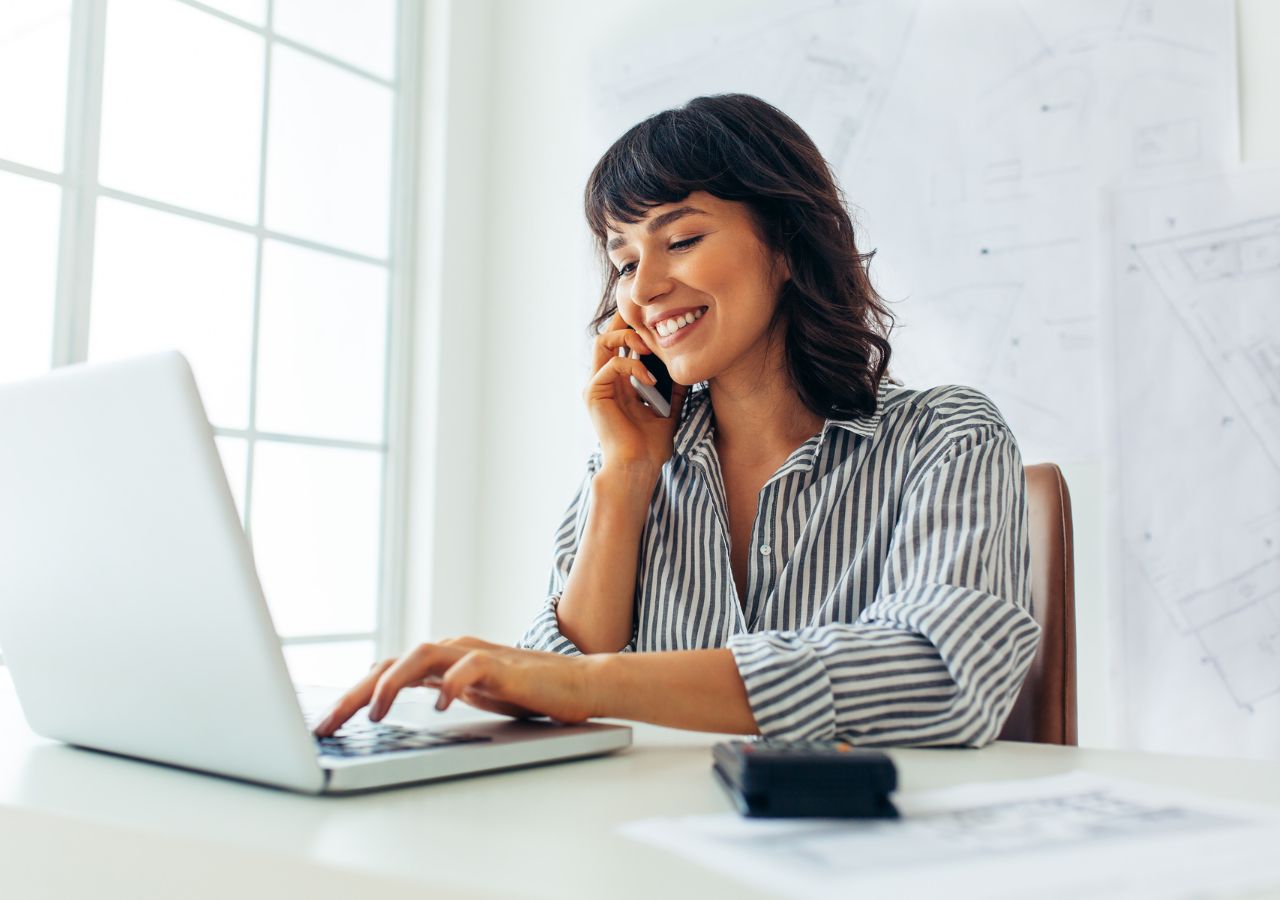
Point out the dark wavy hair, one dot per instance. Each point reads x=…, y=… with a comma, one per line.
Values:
x=738, y=147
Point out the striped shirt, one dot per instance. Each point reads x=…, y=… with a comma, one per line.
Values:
x=888, y=592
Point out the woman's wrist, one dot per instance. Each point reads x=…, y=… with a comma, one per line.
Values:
x=696, y=689
x=632, y=479
x=599, y=686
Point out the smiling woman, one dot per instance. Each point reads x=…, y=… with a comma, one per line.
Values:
x=747, y=154
x=802, y=550
x=713, y=252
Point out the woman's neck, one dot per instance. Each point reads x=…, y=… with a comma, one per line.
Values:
x=760, y=418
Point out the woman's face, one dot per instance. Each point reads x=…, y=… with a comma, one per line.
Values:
x=698, y=284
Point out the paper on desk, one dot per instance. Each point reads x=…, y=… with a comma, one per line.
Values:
x=1070, y=836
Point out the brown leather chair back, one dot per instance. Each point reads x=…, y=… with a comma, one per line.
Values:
x=1045, y=711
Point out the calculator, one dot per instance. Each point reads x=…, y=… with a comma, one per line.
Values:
x=795, y=779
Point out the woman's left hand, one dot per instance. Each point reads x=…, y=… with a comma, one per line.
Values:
x=488, y=676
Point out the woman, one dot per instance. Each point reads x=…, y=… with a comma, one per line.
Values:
x=805, y=551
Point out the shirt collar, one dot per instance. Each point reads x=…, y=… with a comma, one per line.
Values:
x=697, y=423
x=864, y=424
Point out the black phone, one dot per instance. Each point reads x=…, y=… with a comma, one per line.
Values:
x=656, y=396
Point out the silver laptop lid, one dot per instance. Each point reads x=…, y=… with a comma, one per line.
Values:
x=130, y=612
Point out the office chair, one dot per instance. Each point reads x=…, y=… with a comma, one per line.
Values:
x=1045, y=711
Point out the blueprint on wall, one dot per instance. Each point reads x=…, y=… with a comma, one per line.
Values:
x=828, y=64
x=999, y=251
x=972, y=140
x=1196, y=409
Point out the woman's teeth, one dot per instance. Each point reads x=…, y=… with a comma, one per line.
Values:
x=674, y=324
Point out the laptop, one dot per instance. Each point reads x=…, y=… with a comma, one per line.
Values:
x=132, y=619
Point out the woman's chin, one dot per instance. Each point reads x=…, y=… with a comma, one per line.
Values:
x=686, y=375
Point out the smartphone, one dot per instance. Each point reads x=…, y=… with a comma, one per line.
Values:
x=656, y=396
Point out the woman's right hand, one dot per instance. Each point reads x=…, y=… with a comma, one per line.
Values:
x=632, y=435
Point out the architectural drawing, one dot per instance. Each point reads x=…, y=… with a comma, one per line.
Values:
x=1222, y=286
x=828, y=63
x=1059, y=820
x=1211, y=279
x=1062, y=101
x=1073, y=835
x=1197, y=424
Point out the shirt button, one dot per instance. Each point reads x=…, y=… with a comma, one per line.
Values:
x=765, y=550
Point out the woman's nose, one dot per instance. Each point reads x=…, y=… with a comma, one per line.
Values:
x=651, y=282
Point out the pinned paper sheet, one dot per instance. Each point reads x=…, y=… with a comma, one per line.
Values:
x=1066, y=836
x=1195, y=375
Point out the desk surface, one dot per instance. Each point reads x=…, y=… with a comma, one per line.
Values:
x=72, y=819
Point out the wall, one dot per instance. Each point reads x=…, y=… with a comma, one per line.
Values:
x=522, y=282
x=447, y=423
x=1259, y=31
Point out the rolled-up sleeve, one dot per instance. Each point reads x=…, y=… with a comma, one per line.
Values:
x=938, y=657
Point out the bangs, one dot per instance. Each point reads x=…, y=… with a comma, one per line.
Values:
x=662, y=160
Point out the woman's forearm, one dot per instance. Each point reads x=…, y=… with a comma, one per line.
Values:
x=699, y=690
x=596, y=607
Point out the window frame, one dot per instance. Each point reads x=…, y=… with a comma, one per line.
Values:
x=74, y=273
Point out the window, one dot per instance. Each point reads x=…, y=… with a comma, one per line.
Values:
x=231, y=178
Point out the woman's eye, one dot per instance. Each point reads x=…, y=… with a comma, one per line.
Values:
x=629, y=268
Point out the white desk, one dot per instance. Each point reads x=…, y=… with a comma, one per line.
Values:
x=75, y=823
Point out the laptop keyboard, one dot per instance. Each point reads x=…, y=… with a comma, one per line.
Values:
x=368, y=738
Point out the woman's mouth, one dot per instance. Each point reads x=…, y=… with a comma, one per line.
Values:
x=676, y=328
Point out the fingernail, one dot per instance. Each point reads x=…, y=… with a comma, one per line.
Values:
x=650, y=377
x=441, y=702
